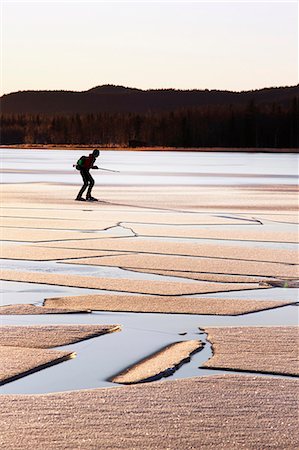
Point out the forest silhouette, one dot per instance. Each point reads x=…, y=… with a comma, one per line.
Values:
x=267, y=118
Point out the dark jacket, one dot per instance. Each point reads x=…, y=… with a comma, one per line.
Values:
x=89, y=162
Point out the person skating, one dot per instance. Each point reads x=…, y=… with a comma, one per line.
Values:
x=84, y=164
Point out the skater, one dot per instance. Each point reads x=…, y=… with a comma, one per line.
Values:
x=84, y=164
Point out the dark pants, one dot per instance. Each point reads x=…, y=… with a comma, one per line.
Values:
x=87, y=181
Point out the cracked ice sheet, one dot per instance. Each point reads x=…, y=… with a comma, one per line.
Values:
x=185, y=263
x=36, y=253
x=18, y=362
x=184, y=249
x=172, y=218
x=158, y=364
x=255, y=349
x=205, y=198
x=57, y=212
x=191, y=198
x=218, y=278
x=236, y=406
x=28, y=309
x=39, y=212
x=215, y=233
x=39, y=336
x=279, y=218
x=179, y=305
x=44, y=235
x=59, y=224
x=124, y=216
x=110, y=284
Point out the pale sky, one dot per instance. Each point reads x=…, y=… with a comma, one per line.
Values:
x=76, y=45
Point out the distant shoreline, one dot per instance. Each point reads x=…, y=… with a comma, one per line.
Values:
x=148, y=149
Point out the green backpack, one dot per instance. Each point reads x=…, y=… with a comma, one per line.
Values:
x=80, y=163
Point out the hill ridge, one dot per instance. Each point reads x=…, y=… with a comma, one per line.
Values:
x=116, y=98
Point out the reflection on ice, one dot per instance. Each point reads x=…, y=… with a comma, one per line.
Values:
x=147, y=168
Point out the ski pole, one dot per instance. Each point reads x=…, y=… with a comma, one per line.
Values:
x=100, y=168
x=109, y=170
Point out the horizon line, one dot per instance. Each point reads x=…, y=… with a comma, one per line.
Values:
x=151, y=89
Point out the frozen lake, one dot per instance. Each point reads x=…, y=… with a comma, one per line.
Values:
x=151, y=168
x=142, y=334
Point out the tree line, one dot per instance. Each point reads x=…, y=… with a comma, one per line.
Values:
x=252, y=125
